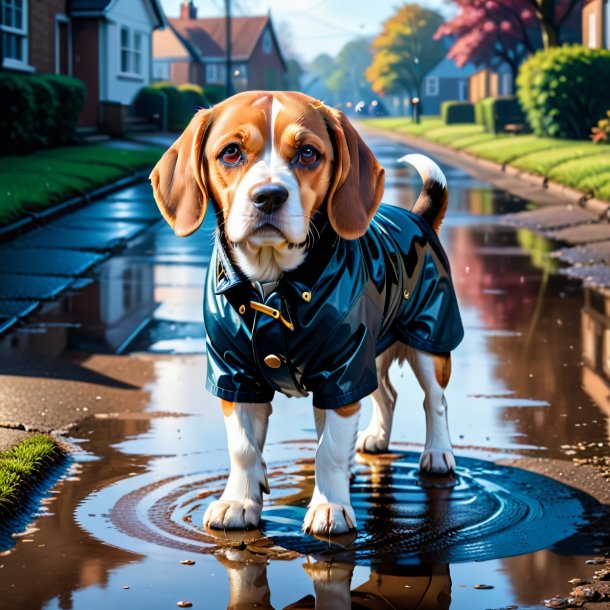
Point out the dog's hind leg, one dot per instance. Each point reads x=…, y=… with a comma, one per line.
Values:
x=241, y=503
x=433, y=372
x=376, y=437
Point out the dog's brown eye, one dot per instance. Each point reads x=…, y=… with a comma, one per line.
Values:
x=308, y=156
x=231, y=155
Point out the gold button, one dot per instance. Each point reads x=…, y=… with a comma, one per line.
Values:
x=242, y=309
x=306, y=296
x=273, y=361
x=406, y=294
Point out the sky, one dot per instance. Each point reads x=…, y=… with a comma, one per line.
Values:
x=313, y=26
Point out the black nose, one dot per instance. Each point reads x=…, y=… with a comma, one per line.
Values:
x=269, y=197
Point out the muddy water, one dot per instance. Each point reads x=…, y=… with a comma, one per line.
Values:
x=530, y=378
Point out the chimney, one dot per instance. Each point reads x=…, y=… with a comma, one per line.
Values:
x=188, y=10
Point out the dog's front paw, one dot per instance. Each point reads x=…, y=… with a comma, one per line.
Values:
x=329, y=519
x=369, y=442
x=437, y=461
x=232, y=515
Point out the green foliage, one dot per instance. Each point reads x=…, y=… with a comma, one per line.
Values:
x=193, y=98
x=71, y=94
x=214, y=93
x=22, y=466
x=565, y=90
x=47, y=109
x=406, y=50
x=175, y=105
x=47, y=177
x=17, y=107
x=494, y=113
x=457, y=112
x=600, y=134
x=151, y=103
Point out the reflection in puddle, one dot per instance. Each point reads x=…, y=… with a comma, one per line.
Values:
x=532, y=377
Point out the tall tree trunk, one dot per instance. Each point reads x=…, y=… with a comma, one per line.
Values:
x=548, y=25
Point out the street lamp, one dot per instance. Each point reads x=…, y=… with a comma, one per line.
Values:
x=415, y=100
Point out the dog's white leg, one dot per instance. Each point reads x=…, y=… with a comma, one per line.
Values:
x=330, y=511
x=241, y=503
x=433, y=372
x=331, y=583
x=376, y=437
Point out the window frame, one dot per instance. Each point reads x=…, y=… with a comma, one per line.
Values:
x=21, y=33
x=435, y=90
x=133, y=55
x=215, y=79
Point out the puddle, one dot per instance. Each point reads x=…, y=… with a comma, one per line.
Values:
x=530, y=379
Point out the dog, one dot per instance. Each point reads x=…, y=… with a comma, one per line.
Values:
x=314, y=286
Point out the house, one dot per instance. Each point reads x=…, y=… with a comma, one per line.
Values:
x=491, y=83
x=193, y=50
x=445, y=82
x=596, y=24
x=105, y=43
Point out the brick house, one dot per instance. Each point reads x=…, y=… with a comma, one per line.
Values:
x=105, y=43
x=596, y=24
x=193, y=50
x=491, y=83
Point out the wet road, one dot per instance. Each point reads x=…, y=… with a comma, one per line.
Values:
x=530, y=379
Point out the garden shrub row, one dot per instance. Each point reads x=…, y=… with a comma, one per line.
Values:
x=565, y=90
x=175, y=106
x=495, y=113
x=38, y=111
x=454, y=113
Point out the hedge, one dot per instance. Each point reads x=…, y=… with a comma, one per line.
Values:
x=151, y=103
x=565, y=90
x=453, y=113
x=193, y=98
x=175, y=106
x=37, y=111
x=495, y=113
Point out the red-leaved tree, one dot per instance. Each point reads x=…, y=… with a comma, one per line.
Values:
x=491, y=32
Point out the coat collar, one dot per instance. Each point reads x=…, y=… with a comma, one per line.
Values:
x=230, y=278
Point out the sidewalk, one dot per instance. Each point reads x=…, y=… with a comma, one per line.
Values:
x=579, y=225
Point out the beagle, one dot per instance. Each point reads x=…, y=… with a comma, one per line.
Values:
x=313, y=287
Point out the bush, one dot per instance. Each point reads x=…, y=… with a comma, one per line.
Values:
x=193, y=98
x=71, y=94
x=453, y=113
x=601, y=133
x=17, y=109
x=214, y=93
x=494, y=113
x=46, y=109
x=175, y=107
x=151, y=104
x=565, y=90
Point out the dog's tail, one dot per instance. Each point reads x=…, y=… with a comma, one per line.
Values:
x=433, y=199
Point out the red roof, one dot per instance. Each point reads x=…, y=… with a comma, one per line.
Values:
x=208, y=35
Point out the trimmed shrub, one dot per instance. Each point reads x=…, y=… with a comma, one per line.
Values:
x=214, y=93
x=151, y=103
x=193, y=98
x=71, y=94
x=17, y=107
x=495, y=113
x=46, y=109
x=454, y=113
x=565, y=90
x=175, y=108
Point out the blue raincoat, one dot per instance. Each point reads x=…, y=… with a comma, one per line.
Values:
x=321, y=327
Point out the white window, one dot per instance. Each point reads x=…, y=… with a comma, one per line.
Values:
x=463, y=90
x=267, y=42
x=506, y=83
x=161, y=70
x=211, y=73
x=131, y=51
x=14, y=20
x=592, y=40
x=432, y=86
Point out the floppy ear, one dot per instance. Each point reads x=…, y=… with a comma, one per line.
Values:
x=178, y=183
x=357, y=184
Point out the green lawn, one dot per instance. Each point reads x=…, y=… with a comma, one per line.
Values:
x=30, y=183
x=22, y=467
x=579, y=164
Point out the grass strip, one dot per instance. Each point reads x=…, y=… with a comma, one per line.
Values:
x=31, y=183
x=579, y=164
x=22, y=467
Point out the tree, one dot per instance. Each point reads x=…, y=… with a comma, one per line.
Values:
x=406, y=51
x=491, y=32
x=347, y=80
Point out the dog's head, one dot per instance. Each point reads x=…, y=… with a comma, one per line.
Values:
x=270, y=161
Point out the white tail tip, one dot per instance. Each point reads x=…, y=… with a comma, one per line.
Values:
x=427, y=169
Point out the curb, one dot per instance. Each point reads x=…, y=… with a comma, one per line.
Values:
x=568, y=195
x=34, y=220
